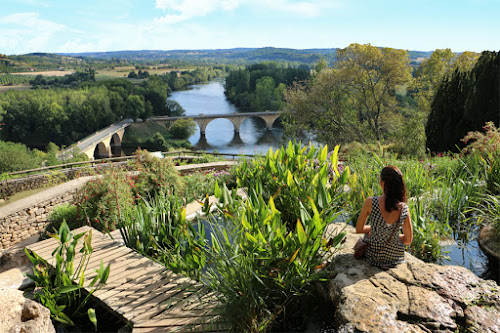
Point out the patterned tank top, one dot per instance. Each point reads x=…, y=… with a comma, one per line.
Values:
x=394, y=251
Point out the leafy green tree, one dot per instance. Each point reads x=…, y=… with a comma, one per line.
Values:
x=135, y=107
x=16, y=157
x=263, y=93
x=174, y=109
x=371, y=75
x=183, y=128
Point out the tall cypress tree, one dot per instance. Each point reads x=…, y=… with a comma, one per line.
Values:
x=464, y=102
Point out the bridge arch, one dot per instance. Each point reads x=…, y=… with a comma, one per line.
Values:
x=102, y=150
x=115, y=144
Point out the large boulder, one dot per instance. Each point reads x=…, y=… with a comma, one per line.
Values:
x=21, y=315
x=412, y=297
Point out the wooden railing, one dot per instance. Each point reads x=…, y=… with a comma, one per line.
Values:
x=93, y=163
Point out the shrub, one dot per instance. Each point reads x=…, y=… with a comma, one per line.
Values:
x=98, y=202
x=183, y=128
x=64, y=212
x=155, y=175
x=17, y=157
x=198, y=185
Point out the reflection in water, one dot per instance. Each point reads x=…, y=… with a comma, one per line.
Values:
x=220, y=134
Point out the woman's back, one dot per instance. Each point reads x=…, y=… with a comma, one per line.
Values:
x=382, y=251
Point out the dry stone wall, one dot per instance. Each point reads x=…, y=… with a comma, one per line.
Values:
x=30, y=221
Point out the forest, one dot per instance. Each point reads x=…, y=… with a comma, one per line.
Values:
x=262, y=86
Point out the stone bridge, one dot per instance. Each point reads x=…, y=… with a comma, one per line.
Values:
x=236, y=118
x=101, y=143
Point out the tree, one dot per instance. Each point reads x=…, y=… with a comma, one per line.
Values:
x=263, y=93
x=354, y=100
x=441, y=64
x=370, y=76
x=174, y=109
x=183, y=128
x=135, y=107
x=464, y=102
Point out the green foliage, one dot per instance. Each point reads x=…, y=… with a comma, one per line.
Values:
x=198, y=185
x=261, y=87
x=487, y=147
x=155, y=175
x=64, y=116
x=356, y=100
x=488, y=211
x=426, y=231
x=259, y=268
x=292, y=175
x=63, y=213
x=17, y=157
x=464, y=102
x=58, y=292
x=183, y=128
x=99, y=201
x=157, y=227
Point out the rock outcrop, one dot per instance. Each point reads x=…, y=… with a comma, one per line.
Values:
x=412, y=297
x=19, y=314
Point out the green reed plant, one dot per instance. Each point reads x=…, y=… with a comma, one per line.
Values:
x=293, y=174
x=488, y=211
x=257, y=265
x=61, y=289
x=427, y=232
x=157, y=227
x=363, y=183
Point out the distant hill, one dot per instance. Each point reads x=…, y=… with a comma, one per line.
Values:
x=80, y=61
x=236, y=55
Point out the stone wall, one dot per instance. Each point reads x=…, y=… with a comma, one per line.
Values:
x=13, y=186
x=30, y=221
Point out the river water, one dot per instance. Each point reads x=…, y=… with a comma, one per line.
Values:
x=208, y=99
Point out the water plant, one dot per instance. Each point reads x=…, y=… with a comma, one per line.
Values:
x=260, y=268
x=61, y=289
x=157, y=227
x=293, y=174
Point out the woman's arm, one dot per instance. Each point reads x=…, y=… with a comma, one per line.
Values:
x=407, y=236
x=361, y=227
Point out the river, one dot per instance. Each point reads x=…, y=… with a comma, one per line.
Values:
x=208, y=99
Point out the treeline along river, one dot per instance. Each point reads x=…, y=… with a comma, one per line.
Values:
x=208, y=99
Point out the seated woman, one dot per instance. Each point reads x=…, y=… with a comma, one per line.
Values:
x=388, y=213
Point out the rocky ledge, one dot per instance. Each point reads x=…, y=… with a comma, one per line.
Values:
x=21, y=315
x=490, y=243
x=412, y=297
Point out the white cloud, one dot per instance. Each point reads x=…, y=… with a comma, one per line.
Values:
x=28, y=32
x=182, y=10
x=187, y=9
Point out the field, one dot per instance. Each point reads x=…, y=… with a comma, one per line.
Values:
x=46, y=73
x=125, y=70
x=16, y=87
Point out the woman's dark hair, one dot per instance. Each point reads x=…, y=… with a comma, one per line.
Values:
x=394, y=187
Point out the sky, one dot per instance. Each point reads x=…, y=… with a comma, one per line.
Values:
x=66, y=26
